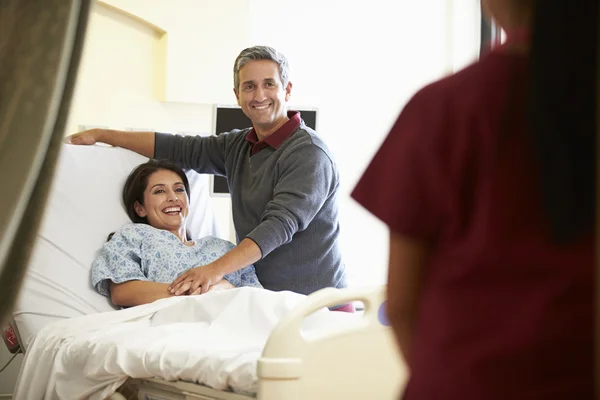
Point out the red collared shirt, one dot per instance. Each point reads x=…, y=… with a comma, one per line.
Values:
x=278, y=137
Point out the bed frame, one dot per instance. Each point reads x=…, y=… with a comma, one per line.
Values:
x=359, y=363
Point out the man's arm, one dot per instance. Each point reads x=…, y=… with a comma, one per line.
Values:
x=307, y=179
x=203, y=154
x=135, y=293
x=242, y=255
x=139, y=142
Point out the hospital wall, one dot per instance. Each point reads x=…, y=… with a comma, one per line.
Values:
x=164, y=64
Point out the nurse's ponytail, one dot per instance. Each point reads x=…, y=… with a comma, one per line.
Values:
x=563, y=112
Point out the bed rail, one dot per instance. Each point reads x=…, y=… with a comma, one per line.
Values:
x=296, y=367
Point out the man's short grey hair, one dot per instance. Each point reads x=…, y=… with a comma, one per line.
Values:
x=261, y=53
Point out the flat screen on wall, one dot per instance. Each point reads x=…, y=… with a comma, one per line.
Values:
x=228, y=118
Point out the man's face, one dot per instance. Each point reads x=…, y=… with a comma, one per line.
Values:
x=261, y=94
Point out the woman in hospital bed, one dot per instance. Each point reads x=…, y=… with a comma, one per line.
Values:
x=141, y=259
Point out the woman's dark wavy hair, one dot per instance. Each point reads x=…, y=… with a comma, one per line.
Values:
x=136, y=184
x=562, y=111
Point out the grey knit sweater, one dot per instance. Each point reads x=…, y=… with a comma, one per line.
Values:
x=284, y=199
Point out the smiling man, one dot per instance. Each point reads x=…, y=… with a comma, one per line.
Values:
x=282, y=178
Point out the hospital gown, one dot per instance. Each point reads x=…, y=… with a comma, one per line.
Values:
x=141, y=252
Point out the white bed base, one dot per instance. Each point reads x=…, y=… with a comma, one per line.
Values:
x=360, y=363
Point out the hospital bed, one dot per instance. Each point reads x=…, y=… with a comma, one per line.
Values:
x=357, y=362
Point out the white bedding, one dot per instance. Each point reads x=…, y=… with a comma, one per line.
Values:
x=214, y=339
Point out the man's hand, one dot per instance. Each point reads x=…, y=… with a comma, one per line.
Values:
x=87, y=138
x=203, y=278
x=140, y=142
x=196, y=278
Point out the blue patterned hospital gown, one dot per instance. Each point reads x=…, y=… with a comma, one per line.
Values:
x=141, y=252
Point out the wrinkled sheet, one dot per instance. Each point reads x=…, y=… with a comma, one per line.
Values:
x=214, y=339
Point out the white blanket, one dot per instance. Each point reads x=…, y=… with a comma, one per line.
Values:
x=214, y=339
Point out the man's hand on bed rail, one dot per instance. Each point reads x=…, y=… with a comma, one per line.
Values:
x=86, y=138
x=140, y=142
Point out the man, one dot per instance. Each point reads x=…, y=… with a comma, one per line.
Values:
x=282, y=179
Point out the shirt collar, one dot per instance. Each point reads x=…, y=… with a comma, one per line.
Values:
x=276, y=139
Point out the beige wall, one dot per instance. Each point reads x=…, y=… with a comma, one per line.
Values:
x=358, y=62
x=120, y=79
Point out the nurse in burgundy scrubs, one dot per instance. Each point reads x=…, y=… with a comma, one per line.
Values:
x=487, y=183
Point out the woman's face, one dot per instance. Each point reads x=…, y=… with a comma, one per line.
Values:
x=165, y=201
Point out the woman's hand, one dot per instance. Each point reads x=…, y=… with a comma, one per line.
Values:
x=223, y=284
x=196, y=278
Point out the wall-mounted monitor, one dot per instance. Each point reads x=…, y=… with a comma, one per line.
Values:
x=228, y=118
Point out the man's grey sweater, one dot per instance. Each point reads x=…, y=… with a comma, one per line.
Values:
x=284, y=199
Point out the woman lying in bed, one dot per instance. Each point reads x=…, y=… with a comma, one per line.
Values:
x=141, y=259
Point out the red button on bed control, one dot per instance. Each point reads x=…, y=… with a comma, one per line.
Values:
x=10, y=338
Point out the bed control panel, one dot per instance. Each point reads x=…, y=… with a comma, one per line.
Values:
x=10, y=339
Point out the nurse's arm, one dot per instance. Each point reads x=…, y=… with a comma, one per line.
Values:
x=405, y=279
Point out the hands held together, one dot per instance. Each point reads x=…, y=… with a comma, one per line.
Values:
x=199, y=280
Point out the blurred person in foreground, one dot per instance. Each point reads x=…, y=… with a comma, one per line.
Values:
x=487, y=184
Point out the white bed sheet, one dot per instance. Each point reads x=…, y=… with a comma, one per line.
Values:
x=214, y=339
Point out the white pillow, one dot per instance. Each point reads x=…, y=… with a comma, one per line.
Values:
x=83, y=207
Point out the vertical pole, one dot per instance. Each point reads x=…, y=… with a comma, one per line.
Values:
x=597, y=244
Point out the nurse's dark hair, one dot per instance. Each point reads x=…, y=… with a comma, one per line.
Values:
x=137, y=182
x=562, y=112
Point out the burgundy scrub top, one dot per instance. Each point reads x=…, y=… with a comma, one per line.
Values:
x=505, y=313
